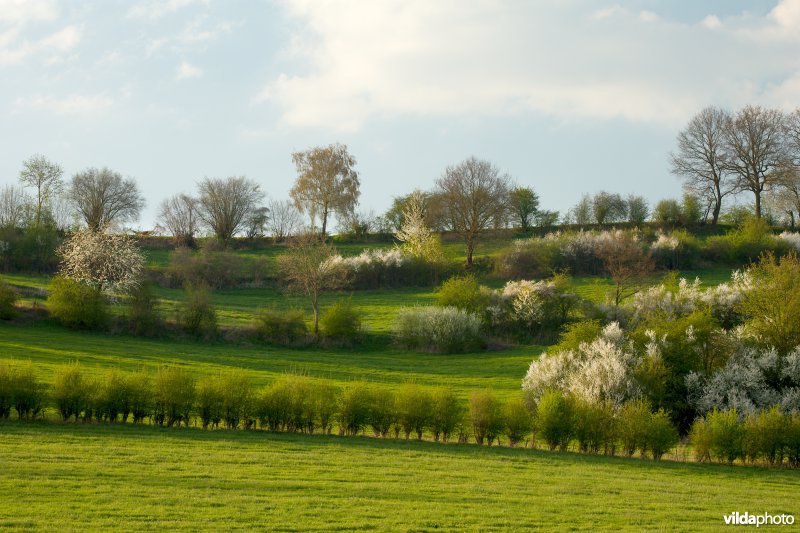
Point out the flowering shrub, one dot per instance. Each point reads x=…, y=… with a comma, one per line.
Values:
x=527, y=308
x=438, y=329
x=601, y=370
x=393, y=267
x=792, y=238
x=110, y=262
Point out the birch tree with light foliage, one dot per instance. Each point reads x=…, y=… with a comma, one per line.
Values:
x=111, y=263
x=417, y=238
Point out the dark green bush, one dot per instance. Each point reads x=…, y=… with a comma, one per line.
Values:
x=77, y=305
x=354, y=409
x=662, y=435
x=27, y=391
x=173, y=396
x=595, y=427
x=555, y=419
x=341, y=323
x=140, y=392
x=281, y=327
x=111, y=401
x=486, y=416
x=8, y=301
x=6, y=392
x=197, y=315
x=144, y=317
x=633, y=420
x=208, y=401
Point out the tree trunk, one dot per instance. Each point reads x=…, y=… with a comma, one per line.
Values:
x=758, y=203
x=470, y=250
x=315, y=309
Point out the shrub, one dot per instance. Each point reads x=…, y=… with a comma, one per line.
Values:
x=173, y=396
x=111, y=399
x=792, y=435
x=197, y=315
x=443, y=330
x=595, y=426
x=28, y=392
x=72, y=392
x=354, y=409
x=281, y=327
x=8, y=301
x=76, y=305
x=555, y=419
x=700, y=439
x=144, y=317
x=413, y=406
x=447, y=413
x=209, y=266
x=518, y=421
x=462, y=292
x=765, y=435
x=275, y=406
x=302, y=406
x=326, y=397
x=140, y=392
x=634, y=417
x=661, y=434
x=382, y=413
x=486, y=416
x=6, y=392
x=209, y=402
x=726, y=435
x=237, y=399
x=341, y=323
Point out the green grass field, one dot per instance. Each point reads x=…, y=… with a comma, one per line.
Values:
x=115, y=477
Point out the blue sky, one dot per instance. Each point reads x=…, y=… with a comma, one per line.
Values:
x=569, y=96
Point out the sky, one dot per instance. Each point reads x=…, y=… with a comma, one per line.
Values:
x=567, y=96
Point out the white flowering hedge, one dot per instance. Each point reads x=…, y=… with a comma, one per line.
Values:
x=528, y=308
x=393, y=267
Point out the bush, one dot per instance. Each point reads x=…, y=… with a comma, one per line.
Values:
x=486, y=416
x=726, y=435
x=462, y=292
x=341, y=323
x=354, y=409
x=197, y=315
x=22, y=390
x=413, y=406
x=634, y=417
x=555, y=419
x=326, y=398
x=595, y=426
x=237, y=403
x=209, y=266
x=518, y=421
x=144, y=317
x=173, y=396
x=281, y=327
x=765, y=435
x=274, y=406
x=792, y=435
x=700, y=439
x=76, y=305
x=72, y=392
x=209, y=402
x=661, y=434
x=8, y=301
x=443, y=330
x=6, y=392
x=447, y=413
x=140, y=392
x=111, y=399
x=382, y=413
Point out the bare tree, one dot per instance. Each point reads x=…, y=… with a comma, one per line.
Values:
x=225, y=204
x=581, y=213
x=256, y=223
x=473, y=193
x=756, y=148
x=179, y=215
x=284, y=219
x=102, y=197
x=44, y=176
x=308, y=268
x=701, y=158
x=14, y=207
x=326, y=183
x=627, y=262
x=786, y=196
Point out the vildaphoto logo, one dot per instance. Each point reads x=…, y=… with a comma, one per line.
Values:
x=765, y=519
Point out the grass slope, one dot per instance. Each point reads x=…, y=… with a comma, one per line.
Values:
x=115, y=477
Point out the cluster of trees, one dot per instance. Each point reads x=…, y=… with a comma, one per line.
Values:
x=754, y=150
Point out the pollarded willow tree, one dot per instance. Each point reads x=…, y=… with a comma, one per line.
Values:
x=326, y=183
x=473, y=194
x=225, y=205
x=45, y=177
x=103, y=197
x=109, y=262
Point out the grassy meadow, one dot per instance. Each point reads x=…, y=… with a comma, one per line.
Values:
x=121, y=477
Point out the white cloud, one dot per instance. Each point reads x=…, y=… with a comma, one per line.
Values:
x=23, y=11
x=187, y=71
x=712, y=22
x=14, y=49
x=195, y=33
x=351, y=62
x=156, y=9
x=68, y=105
